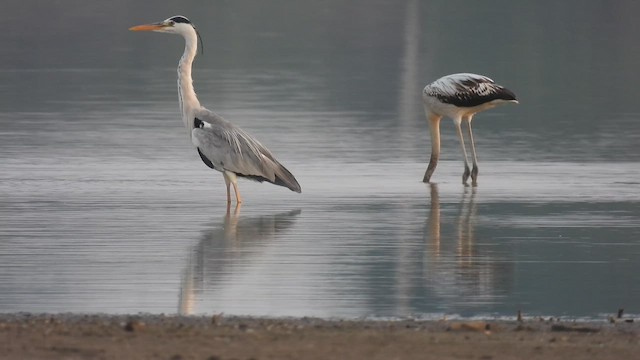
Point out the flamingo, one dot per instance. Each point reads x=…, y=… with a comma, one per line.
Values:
x=460, y=97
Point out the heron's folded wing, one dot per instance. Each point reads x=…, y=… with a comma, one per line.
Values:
x=236, y=151
x=229, y=149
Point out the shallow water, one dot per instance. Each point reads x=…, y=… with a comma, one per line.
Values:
x=105, y=207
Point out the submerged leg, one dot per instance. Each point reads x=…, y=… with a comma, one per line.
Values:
x=434, y=129
x=474, y=171
x=467, y=171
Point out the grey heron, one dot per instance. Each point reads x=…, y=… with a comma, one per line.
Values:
x=221, y=145
x=460, y=97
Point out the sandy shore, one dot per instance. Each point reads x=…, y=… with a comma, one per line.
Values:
x=69, y=336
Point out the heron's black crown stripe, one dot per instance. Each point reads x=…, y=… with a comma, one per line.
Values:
x=180, y=19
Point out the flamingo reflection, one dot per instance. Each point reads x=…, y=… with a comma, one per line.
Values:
x=455, y=268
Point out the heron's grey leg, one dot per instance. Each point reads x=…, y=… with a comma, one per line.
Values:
x=474, y=171
x=467, y=171
x=227, y=181
x=233, y=179
x=237, y=191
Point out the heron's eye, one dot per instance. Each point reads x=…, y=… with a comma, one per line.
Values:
x=172, y=22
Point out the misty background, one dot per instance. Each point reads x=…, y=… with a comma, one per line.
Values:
x=106, y=207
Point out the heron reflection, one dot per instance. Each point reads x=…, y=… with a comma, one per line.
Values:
x=234, y=241
x=456, y=269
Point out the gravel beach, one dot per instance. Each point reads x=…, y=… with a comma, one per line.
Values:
x=73, y=336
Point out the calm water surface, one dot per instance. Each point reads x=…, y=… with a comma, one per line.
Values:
x=105, y=207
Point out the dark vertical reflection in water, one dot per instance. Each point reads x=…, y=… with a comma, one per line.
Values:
x=409, y=98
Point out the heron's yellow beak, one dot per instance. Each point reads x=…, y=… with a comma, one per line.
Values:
x=148, y=27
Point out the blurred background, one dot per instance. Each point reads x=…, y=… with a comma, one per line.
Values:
x=572, y=65
x=105, y=206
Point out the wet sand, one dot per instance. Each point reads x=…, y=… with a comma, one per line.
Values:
x=70, y=336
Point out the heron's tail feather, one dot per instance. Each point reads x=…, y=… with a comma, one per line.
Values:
x=278, y=175
x=272, y=171
x=286, y=179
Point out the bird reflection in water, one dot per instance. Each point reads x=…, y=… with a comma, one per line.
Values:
x=225, y=246
x=455, y=268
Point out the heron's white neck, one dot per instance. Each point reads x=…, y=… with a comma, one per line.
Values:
x=186, y=94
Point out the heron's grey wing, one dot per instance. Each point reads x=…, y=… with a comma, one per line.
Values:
x=229, y=148
x=214, y=146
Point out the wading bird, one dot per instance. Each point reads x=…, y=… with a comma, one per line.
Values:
x=221, y=145
x=460, y=96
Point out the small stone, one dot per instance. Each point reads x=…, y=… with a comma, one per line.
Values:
x=134, y=325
